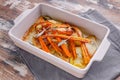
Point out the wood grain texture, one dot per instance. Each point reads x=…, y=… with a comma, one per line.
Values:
x=10, y=9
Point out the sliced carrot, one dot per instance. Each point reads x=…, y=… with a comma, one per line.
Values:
x=65, y=49
x=85, y=53
x=72, y=48
x=45, y=24
x=62, y=32
x=86, y=56
x=43, y=45
x=67, y=37
x=57, y=49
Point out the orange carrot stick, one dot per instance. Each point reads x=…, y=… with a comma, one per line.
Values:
x=46, y=24
x=57, y=49
x=85, y=53
x=62, y=32
x=65, y=49
x=67, y=37
x=72, y=48
x=43, y=45
x=86, y=56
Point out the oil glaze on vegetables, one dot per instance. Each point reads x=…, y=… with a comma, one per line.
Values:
x=62, y=40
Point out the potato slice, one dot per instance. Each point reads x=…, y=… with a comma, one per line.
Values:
x=92, y=46
x=78, y=61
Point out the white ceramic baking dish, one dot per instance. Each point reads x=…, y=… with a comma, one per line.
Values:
x=27, y=18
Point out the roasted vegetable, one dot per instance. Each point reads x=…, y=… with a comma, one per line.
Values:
x=62, y=40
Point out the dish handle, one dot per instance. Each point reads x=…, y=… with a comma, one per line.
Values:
x=102, y=51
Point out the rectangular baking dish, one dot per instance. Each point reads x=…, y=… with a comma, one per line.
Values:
x=27, y=18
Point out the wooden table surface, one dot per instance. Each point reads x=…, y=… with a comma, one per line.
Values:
x=10, y=9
